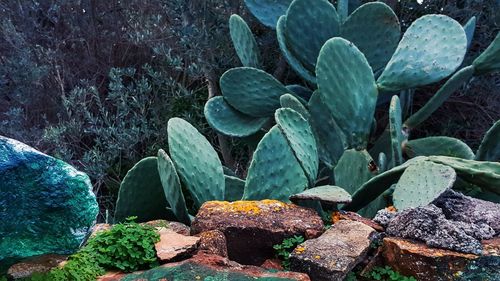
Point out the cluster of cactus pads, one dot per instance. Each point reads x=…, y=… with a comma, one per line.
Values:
x=350, y=63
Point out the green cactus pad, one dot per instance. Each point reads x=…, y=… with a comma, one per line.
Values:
x=289, y=101
x=395, y=130
x=300, y=91
x=234, y=188
x=243, y=41
x=382, y=162
x=489, y=60
x=329, y=137
x=274, y=172
x=375, y=30
x=172, y=187
x=230, y=122
x=252, y=91
x=469, y=28
x=483, y=174
x=489, y=150
x=343, y=10
x=348, y=88
x=432, y=48
x=421, y=183
x=300, y=137
x=454, y=83
x=292, y=60
x=309, y=24
x=268, y=11
x=377, y=185
x=228, y=172
x=444, y=146
x=141, y=193
x=196, y=162
x=354, y=169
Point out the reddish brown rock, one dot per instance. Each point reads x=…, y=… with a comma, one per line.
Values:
x=253, y=227
x=416, y=259
x=172, y=225
x=213, y=242
x=201, y=266
x=100, y=227
x=352, y=216
x=39, y=264
x=272, y=264
x=173, y=246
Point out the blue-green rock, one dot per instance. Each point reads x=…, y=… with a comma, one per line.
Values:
x=46, y=205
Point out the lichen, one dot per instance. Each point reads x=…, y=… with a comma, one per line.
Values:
x=247, y=207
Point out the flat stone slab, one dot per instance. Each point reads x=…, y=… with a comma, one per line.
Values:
x=173, y=246
x=331, y=256
x=328, y=194
x=39, y=264
x=46, y=205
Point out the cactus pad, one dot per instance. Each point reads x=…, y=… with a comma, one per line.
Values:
x=348, y=88
x=489, y=150
x=470, y=28
x=432, y=48
x=395, y=130
x=444, y=146
x=375, y=30
x=172, y=187
x=252, y=91
x=274, y=172
x=489, y=60
x=309, y=24
x=268, y=11
x=300, y=91
x=234, y=188
x=141, y=193
x=196, y=162
x=243, y=41
x=421, y=183
x=354, y=169
x=300, y=137
x=230, y=122
x=289, y=101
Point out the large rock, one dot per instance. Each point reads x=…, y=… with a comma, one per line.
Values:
x=416, y=259
x=46, y=205
x=253, y=227
x=174, y=246
x=213, y=242
x=429, y=224
x=207, y=267
x=331, y=256
x=38, y=264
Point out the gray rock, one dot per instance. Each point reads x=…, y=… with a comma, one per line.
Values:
x=46, y=205
x=459, y=207
x=429, y=224
x=384, y=217
x=332, y=255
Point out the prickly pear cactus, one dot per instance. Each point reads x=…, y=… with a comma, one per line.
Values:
x=141, y=193
x=230, y=122
x=354, y=169
x=470, y=28
x=300, y=92
x=489, y=60
x=234, y=188
x=172, y=187
x=489, y=150
x=444, y=146
x=196, y=162
x=289, y=101
x=268, y=11
x=432, y=48
x=421, y=183
x=396, y=131
x=274, y=172
x=252, y=91
x=243, y=41
x=348, y=88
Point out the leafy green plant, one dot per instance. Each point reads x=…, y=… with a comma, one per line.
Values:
x=284, y=249
x=388, y=274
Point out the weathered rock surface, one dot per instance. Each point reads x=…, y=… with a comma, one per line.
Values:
x=416, y=259
x=173, y=246
x=429, y=224
x=352, y=216
x=459, y=207
x=176, y=227
x=39, y=264
x=384, y=217
x=253, y=227
x=333, y=254
x=207, y=267
x=46, y=205
x=213, y=242
x=328, y=195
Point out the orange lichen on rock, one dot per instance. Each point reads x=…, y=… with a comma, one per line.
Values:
x=247, y=207
x=336, y=217
x=391, y=209
x=299, y=250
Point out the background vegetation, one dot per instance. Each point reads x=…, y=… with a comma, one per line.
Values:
x=94, y=82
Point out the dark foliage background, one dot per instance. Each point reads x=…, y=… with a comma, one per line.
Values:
x=94, y=82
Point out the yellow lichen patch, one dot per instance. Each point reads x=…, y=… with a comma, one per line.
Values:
x=317, y=257
x=299, y=250
x=391, y=209
x=246, y=207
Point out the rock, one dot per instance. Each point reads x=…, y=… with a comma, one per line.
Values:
x=416, y=259
x=47, y=206
x=253, y=227
x=333, y=254
x=272, y=264
x=207, y=267
x=173, y=246
x=328, y=195
x=176, y=227
x=352, y=216
x=458, y=207
x=213, y=242
x=100, y=227
x=429, y=224
x=38, y=264
x=385, y=216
